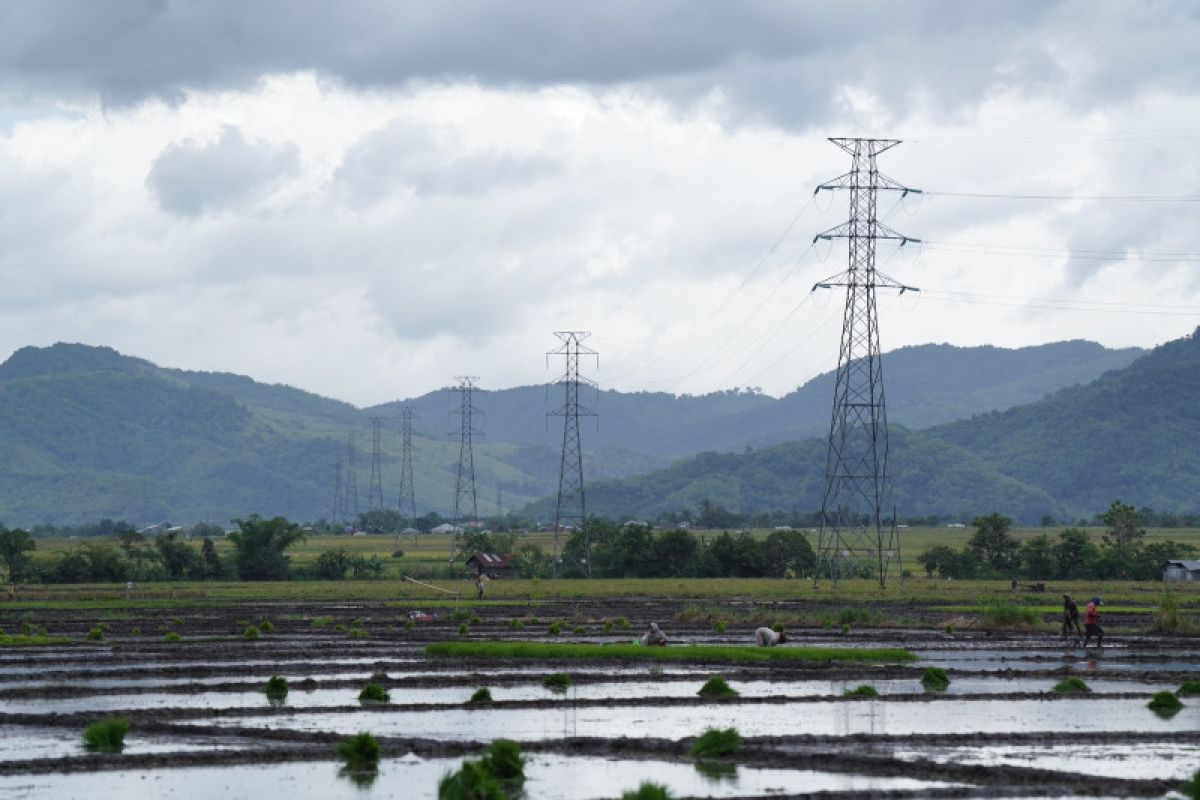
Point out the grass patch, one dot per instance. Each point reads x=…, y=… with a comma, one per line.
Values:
x=1167, y=618
x=504, y=762
x=107, y=735
x=1000, y=613
x=276, y=688
x=716, y=743
x=322, y=622
x=717, y=686
x=1188, y=689
x=96, y=635
x=172, y=637
x=359, y=752
x=1072, y=685
x=557, y=682
x=648, y=791
x=374, y=693
x=482, y=695
x=500, y=772
x=720, y=626
x=31, y=641
x=555, y=628
x=579, y=630
x=266, y=626
x=934, y=679
x=866, y=690
x=516, y=624
x=251, y=633
x=702, y=653
x=464, y=629
x=1165, y=703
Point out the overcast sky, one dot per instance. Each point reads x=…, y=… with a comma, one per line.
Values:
x=365, y=199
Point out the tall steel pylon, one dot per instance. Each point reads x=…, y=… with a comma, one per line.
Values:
x=350, y=501
x=858, y=510
x=571, y=508
x=408, y=495
x=375, y=490
x=464, y=485
x=336, y=516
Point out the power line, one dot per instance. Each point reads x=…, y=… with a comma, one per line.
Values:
x=1079, y=254
x=1055, y=304
x=1116, y=198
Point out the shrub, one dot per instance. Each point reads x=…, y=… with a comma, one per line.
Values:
x=516, y=624
x=716, y=743
x=172, y=637
x=95, y=635
x=360, y=751
x=1072, y=685
x=277, y=687
x=557, y=682
x=556, y=628
x=717, y=686
x=1188, y=689
x=935, y=679
x=107, y=735
x=250, y=633
x=266, y=626
x=503, y=761
x=482, y=695
x=374, y=693
x=648, y=791
x=397, y=554
x=1165, y=703
x=866, y=690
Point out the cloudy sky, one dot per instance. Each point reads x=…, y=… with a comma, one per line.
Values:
x=365, y=199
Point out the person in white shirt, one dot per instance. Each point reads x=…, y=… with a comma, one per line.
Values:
x=765, y=637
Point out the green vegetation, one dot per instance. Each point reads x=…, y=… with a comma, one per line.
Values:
x=720, y=626
x=464, y=629
x=648, y=791
x=717, y=686
x=516, y=624
x=107, y=735
x=1193, y=786
x=1165, y=703
x=322, y=622
x=172, y=637
x=557, y=682
x=866, y=690
x=251, y=632
x=1168, y=619
x=31, y=641
x=1002, y=613
x=555, y=628
x=374, y=693
x=1188, y=689
x=481, y=695
x=699, y=653
x=266, y=626
x=500, y=771
x=579, y=630
x=716, y=743
x=276, y=688
x=1072, y=685
x=935, y=679
x=504, y=762
x=359, y=752
x=96, y=635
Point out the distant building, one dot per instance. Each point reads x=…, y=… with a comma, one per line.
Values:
x=1180, y=570
x=410, y=531
x=446, y=527
x=492, y=564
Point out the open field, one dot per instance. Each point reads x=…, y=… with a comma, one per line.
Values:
x=175, y=661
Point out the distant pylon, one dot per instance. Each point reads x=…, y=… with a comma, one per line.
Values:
x=571, y=508
x=336, y=516
x=408, y=496
x=350, y=501
x=464, y=485
x=858, y=509
x=375, y=491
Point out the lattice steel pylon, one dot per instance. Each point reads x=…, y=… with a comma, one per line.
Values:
x=571, y=508
x=464, y=485
x=858, y=534
x=336, y=516
x=375, y=490
x=350, y=502
x=408, y=494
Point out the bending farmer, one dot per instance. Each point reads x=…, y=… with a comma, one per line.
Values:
x=1091, y=623
x=653, y=636
x=765, y=637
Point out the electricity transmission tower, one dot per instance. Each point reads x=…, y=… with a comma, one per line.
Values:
x=464, y=485
x=336, y=516
x=350, y=500
x=408, y=497
x=375, y=492
x=858, y=510
x=571, y=508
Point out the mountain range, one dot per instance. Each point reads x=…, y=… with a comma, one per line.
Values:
x=90, y=433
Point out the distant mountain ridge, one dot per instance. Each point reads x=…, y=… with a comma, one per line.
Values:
x=90, y=433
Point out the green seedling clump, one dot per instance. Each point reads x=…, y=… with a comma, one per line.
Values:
x=866, y=690
x=1072, y=685
x=1007, y=614
x=1188, y=689
x=266, y=626
x=482, y=695
x=557, y=682
x=410, y=624
x=504, y=762
x=1193, y=786
x=107, y=735
x=357, y=633
x=251, y=632
x=27, y=629
x=717, y=686
x=516, y=624
x=705, y=653
x=340, y=628
x=580, y=630
x=463, y=629
x=136, y=631
x=277, y=687
x=172, y=637
x=648, y=791
x=360, y=751
x=322, y=622
x=373, y=692
x=475, y=620
x=608, y=626
x=95, y=635
x=935, y=679
x=471, y=782
x=720, y=626
x=716, y=743
x=556, y=628
x=1165, y=703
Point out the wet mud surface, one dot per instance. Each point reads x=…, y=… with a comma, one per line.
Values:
x=196, y=706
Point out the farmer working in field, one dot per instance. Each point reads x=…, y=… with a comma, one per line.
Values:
x=1070, y=621
x=765, y=637
x=1091, y=623
x=653, y=636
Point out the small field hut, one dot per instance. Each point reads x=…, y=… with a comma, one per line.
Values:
x=1180, y=570
x=491, y=564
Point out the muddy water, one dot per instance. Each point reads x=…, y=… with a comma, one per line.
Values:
x=1131, y=760
x=547, y=776
x=822, y=718
x=22, y=744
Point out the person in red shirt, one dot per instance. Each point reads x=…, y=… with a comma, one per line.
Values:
x=1091, y=623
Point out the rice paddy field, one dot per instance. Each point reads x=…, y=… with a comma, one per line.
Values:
x=189, y=668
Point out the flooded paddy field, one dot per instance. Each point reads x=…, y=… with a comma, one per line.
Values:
x=191, y=685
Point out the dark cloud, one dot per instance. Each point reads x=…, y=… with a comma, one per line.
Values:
x=189, y=178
